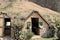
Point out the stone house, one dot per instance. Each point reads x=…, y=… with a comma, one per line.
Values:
x=5, y=25
x=32, y=20
x=35, y=22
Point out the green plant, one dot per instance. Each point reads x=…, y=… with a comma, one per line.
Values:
x=25, y=35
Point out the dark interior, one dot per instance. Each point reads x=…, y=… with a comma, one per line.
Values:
x=35, y=28
x=7, y=29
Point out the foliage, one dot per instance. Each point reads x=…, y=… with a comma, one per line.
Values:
x=49, y=33
x=54, y=21
x=56, y=25
x=58, y=34
x=16, y=26
x=26, y=34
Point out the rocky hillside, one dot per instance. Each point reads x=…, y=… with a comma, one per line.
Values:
x=51, y=4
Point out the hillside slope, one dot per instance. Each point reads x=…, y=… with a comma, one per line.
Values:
x=26, y=7
x=51, y=4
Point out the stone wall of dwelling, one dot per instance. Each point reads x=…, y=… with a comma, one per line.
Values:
x=45, y=26
x=1, y=27
x=12, y=33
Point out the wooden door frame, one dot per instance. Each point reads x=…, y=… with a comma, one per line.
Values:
x=37, y=28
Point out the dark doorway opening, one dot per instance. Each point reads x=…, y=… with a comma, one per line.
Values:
x=7, y=27
x=35, y=27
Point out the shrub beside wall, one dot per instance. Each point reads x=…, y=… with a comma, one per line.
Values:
x=49, y=33
x=26, y=34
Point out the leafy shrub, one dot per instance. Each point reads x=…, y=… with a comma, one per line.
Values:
x=25, y=35
x=58, y=34
x=49, y=33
